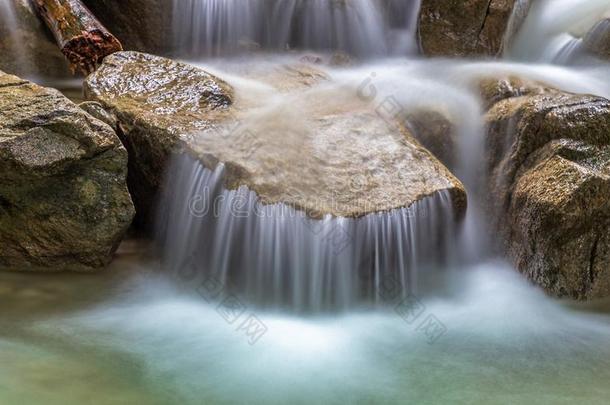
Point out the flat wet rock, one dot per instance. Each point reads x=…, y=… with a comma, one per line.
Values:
x=318, y=149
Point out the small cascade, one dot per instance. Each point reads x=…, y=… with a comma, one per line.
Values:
x=359, y=27
x=554, y=29
x=276, y=256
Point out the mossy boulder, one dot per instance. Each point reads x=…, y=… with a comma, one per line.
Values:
x=469, y=27
x=64, y=203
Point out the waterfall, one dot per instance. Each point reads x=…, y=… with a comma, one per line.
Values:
x=554, y=29
x=359, y=27
x=274, y=255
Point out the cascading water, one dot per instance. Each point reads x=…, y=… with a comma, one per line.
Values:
x=359, y=27
x=554, y=30
x=141, y=338
x=277, y=256
x=281, y=258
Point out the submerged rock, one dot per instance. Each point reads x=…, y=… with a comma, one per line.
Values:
x=597, y=39
x=469, y=27
x=344, y=160
x=64, y=203
x=26, y=45
x=549, y=186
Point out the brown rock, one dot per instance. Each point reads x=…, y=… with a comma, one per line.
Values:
x=156, y=101
x=468, y=27
x=549, y=164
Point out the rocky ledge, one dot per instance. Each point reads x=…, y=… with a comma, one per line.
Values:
x=64, y=203
x=344, y=161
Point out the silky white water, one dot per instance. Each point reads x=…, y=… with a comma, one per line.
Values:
x=301, y=332
x=133, y=336
x=554, y=29
x=278, y=257
x=360, y=27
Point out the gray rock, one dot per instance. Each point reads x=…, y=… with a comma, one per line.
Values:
x=156, y=101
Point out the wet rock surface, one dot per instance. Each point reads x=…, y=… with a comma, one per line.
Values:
x=468, y=27
x=344, y=161
x=64, y=203
x=549, y=165
x=155, y=102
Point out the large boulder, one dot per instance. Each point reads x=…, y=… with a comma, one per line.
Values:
x=140, y=25
x=26, y=45
x=295, y=153
x=597, y=39
x=469, y=27
x=549, y=188
x=64, y=204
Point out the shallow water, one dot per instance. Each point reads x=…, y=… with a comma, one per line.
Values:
x=131, y=335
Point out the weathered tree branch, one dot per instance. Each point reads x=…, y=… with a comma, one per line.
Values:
x=80, y=36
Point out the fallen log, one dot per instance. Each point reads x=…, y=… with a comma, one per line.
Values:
x=83, y=40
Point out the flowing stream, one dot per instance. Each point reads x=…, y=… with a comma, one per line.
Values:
x=304, y=326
